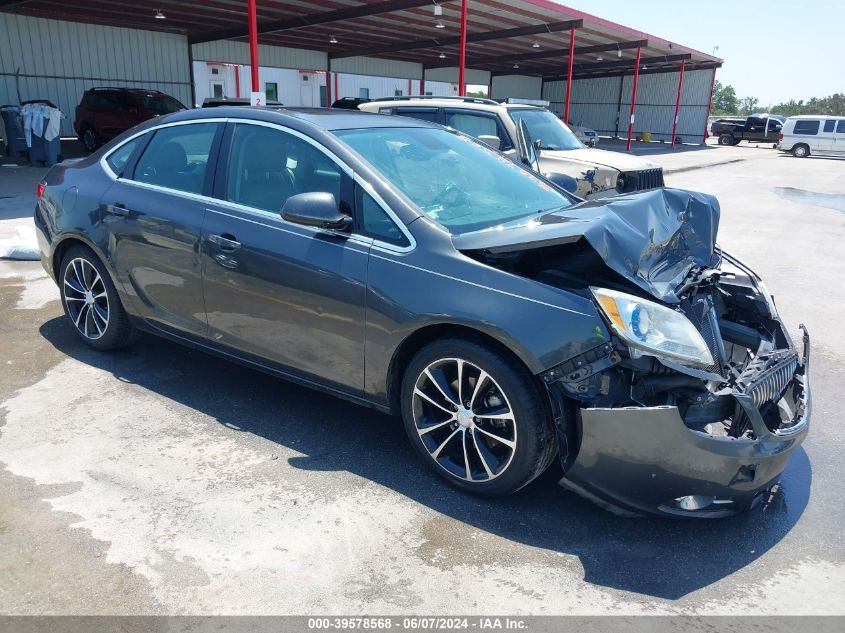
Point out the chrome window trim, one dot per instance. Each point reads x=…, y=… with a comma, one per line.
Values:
x=110, y=172
x=412, y=243
x=355, y=237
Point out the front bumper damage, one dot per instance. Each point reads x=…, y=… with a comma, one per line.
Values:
x=647, y=460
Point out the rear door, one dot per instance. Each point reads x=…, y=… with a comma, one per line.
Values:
x=275, y=290
x=825, y=140
x=153, y=215
x=839, y=138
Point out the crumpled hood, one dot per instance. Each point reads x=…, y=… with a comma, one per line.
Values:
x=598, y=157
x=652, y=238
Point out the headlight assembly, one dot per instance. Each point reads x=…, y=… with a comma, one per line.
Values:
x=620, y=183
x=653, y=328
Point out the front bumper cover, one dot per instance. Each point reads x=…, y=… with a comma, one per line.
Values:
x=637, y=460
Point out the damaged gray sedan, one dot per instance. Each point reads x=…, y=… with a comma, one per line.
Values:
x=409, y=268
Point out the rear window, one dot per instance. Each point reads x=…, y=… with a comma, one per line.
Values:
x=840, y=126
x=806, y=127
x=828, y=125
x=161, y=104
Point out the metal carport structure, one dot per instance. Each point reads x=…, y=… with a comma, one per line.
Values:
x=526, y=48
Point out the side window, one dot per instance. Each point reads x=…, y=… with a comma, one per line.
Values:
x=477, y=124
x=840, y=126
x=828, y=125
x=118, y=158
x=377, y=224
x=177, y=157
x=806, y=127
x=426, y=114
x=267, y=166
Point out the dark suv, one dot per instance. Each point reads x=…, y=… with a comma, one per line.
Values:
x=103, y=113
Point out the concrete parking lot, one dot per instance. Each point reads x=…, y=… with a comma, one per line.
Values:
x=161, y=480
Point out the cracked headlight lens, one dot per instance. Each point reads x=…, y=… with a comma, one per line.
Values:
x=653, y=328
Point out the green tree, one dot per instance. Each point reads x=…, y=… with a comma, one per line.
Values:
x=482, y=94
x=724, y=100
x=749, y=105
x=834, y=105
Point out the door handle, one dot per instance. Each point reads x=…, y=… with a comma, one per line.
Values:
x=118, y=209
x=226, y=242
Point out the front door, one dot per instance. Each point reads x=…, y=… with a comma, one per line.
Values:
x=153, y=219
x=276, y=290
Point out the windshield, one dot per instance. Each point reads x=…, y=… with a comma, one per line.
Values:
x=544, y=126
x=164, y=104
x=460, y=183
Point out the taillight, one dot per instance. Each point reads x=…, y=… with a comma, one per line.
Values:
x=780, y=136
x=40, y=188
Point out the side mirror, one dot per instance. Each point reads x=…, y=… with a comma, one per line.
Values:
x=489, y=139
x=317, y=209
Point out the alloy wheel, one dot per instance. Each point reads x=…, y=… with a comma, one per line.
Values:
x=464, y=420
x=86, y=299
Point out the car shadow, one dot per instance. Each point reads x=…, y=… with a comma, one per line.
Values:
x=662, y=558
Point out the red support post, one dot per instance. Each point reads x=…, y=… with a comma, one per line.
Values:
x=633, y=99
x=569, y=74
x=462, y=87
x=678, y=102
x=336, y=89
x=422, y=82
x=328, y=88
x=253, y=43
x=237, y=80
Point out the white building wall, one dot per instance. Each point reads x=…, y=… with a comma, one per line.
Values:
x=59, y=60
x=303, y=87
x=521, y=86
x=604, y=104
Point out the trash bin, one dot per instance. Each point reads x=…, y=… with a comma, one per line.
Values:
x=13, y=124
x=42, y=120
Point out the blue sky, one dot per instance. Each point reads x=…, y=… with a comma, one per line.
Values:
x=774, y=50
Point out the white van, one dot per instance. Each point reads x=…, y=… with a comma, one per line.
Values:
x=810, y=134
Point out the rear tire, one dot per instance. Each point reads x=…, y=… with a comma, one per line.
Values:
x=89, y=138
x=801, y=151
x=726, y=139
x=91, y=302
x=483, y=455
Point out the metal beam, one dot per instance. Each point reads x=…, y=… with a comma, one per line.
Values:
x=633, y=100
x=435, y=42
x=548, y=53
x=624, y=63
x=651, y=71
x=348, y=13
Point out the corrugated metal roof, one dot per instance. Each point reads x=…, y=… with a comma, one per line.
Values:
x=531, y=33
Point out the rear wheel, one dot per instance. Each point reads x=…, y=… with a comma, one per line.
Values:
x=726, y=139
x=90, y=301
x=476, y=417
x=89, y=138
x=801, y=151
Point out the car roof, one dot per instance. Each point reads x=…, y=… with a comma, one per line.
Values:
x=324, y=118
x=817, y=116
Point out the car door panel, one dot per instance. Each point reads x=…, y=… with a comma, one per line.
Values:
x=154, y=235
x=291, y=294
x=285, y=293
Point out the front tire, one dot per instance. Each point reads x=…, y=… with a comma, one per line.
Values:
x=477, y=417
x=90, y=301
x=801, y=151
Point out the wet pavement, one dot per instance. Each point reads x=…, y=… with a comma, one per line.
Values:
x=161, y=480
